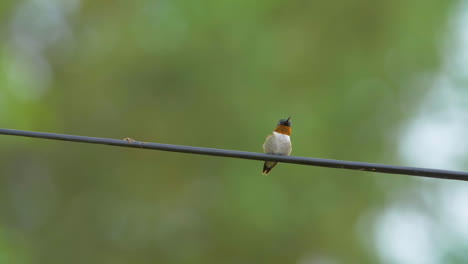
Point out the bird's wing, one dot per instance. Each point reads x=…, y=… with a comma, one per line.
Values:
x=268, y=143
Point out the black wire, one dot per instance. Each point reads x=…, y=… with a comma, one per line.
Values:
x=360, y=166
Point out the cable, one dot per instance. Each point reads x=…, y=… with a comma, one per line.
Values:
x=351, y=165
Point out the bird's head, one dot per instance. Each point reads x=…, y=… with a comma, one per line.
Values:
x=285, y=122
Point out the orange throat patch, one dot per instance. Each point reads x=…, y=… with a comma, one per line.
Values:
x=286, y=130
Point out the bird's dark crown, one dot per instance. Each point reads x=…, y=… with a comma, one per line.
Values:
x=285, y=122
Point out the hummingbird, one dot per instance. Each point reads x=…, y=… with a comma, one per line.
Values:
x=278, y=143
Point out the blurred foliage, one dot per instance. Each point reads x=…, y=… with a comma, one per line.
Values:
x=214, y=74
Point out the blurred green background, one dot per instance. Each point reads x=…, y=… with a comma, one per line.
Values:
x=373, y=81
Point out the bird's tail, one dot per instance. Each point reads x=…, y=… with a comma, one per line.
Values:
x=268, y=166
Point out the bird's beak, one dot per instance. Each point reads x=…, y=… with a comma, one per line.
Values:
x=288, y=119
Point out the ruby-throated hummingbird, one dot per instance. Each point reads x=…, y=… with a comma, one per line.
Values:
x=278, y=143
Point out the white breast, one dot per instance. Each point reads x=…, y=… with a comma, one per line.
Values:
x=278, y=144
